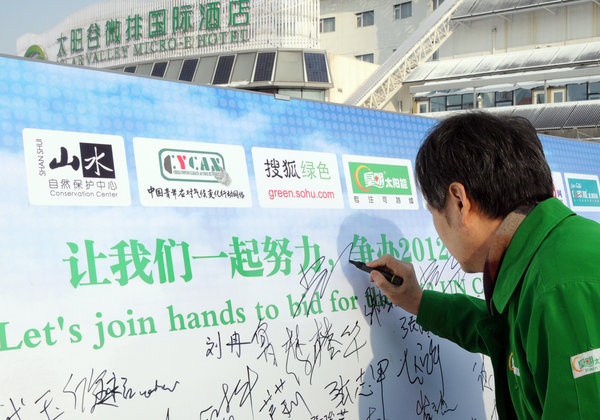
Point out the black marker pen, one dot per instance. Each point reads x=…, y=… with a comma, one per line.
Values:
x=392, y=278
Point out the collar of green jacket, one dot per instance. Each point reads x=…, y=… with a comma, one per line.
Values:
x=523, y=246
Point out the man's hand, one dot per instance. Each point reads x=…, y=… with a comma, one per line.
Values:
x=408, y=295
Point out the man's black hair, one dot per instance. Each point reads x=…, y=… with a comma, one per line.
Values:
x=499, y=160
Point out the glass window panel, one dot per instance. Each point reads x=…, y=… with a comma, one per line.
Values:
x=504, y=96
x=313, y=94
x=327, y=25
x=577, y=92
x=594, y=87
x=173, y=70
x=539, y=98
x=289, y=67
x=369, y=58
x=523, y=97
x=406, y=10
x=144, y=69
x=205, y=70
x=242, y=71
x=454, y=100
x=130, y=69
x=467, y=101
x=365, y=18
x=488, y=99
x=292, y=93
x=437, y=104
x=558, y=96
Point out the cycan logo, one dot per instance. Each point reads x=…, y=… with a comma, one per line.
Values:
x=192, y=165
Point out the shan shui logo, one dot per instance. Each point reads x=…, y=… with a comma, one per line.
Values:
x=95, y=160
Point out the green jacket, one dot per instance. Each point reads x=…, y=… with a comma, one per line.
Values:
x=543, y=335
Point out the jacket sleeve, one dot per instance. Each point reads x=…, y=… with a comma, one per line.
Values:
x=456, y=317
x=563, y=350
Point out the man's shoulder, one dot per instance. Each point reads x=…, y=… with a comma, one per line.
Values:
x=569, y=253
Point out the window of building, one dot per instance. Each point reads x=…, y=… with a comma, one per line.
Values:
x=453, y=102
x=327, y=25
x=365, y=19
x=558, y=95
x=437, y=104
x=577, y=92
x=437, y=3
x=403, y=10
x=467, y=101
x=594, y=87
x=486, y=100
x=504, y=98
x=311, y=94
x=423, y=107
x=594, y=90
x=523, y=97
x=130, y=69
x=539, y=97
x=369, y=58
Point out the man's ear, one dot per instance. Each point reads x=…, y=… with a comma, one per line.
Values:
x=459, y=202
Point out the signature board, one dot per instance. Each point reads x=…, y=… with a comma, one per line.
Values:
x=173, y=251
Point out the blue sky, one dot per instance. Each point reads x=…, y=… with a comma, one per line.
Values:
x=37, y=16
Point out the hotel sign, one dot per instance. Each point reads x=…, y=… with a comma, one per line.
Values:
x=182, y=27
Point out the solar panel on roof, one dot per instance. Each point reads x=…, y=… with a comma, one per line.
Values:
x=553, y=117
x=590, y=52
x=505, y=5
x=264, y=67
x=527, y=112
x=567, y=54
x=488, y=63
x=465, y=66
x=422, y=71
x=584, y=115
x=188, y=69
x=464, y=8
x=525, y=3
x=316, y=67
x=159, y=69
x=514, y=60
x=223, y=71
x=541, y=56
x=481, y=7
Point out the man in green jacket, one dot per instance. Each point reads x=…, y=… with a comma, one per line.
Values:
x=490, y=192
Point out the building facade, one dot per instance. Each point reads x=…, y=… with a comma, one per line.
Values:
x=263, y=45
x=518, y=55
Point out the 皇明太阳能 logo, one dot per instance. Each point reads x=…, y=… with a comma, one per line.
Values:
x=376, y=178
